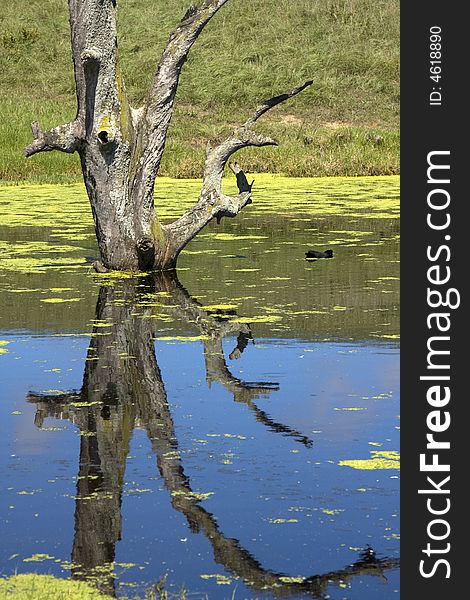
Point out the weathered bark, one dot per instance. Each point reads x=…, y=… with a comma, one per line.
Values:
x=121, y=147
x=123, y=389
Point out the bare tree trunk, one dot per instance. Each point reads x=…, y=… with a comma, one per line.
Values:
x=121, y=147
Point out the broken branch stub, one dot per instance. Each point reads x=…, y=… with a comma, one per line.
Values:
x=242, y=181
x=65, y=138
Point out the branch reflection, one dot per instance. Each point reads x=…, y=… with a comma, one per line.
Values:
x=123, y=389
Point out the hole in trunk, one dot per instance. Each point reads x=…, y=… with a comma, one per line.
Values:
x=103, y=137
x=145, y=253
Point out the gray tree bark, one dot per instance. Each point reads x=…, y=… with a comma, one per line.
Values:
x=121, y=147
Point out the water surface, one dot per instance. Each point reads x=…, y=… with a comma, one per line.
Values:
x=233, y=429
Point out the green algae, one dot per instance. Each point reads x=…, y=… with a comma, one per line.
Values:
x=233, y=236
x=59, y=300
x=246, y=270
x=219, y=579
x=381, y=459
x=286, y=579
x=333, y=209
x=47, y=587
x=65, y=209
x=216, y=307
x=281, y=521
x=227, y=435
x=180, y=338
x=258, y=319
x=196, y=496
x=332, y=511
x=38, y=558
x=113, y=277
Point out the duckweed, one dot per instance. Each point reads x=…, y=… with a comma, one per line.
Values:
x=380, y=460
x=46, y=587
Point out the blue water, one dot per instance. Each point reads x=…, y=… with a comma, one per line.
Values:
x=125, y=458
x=288, y=502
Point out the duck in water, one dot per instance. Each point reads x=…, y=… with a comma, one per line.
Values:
x=317, y=254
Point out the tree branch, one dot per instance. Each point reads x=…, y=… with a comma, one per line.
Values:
x=212, y=202
x=175, y=53
x=268, y=104
x=65, y=138
x=158, y=107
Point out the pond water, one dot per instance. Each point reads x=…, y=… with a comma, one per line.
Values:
x=233, y=429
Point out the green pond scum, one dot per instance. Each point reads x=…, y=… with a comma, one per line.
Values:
x=38, y=225
x=46, y=587
x=228, y=431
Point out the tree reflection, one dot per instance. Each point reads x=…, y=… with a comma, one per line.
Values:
x=123, y=389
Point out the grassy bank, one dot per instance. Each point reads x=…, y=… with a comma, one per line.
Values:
x=345, y=124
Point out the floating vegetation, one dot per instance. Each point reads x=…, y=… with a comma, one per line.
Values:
x=247, y=270
x=217, y=307
x=219, y=579
x=114, y=277
x=254, y=308
x=233, y=236
x=379, y=460
x=332, y=511
x=346, y=211
x=38, y=558
x=259, y=319
x=188, y=495
x=59, y=300
x=285, y=579
x=52, y=428
x=180, y=338
x=279, y=521
x=227, y=435
x=46, y=587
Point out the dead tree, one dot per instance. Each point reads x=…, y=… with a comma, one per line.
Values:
x=121, y=147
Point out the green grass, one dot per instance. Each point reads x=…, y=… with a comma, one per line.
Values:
x=346, y=123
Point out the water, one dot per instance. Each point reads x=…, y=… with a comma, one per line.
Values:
x=233, y=429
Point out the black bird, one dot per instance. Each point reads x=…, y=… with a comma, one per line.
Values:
x=317, y=254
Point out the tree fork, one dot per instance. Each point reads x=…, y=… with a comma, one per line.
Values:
x=121, y=147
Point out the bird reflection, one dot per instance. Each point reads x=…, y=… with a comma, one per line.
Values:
x=123, y=389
